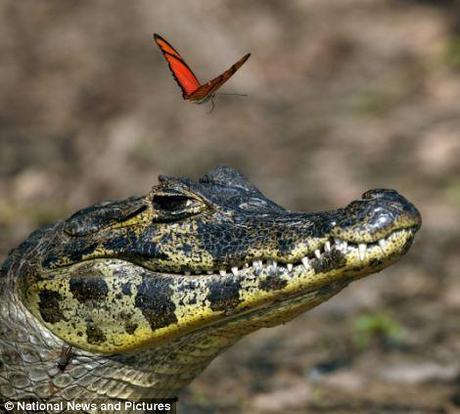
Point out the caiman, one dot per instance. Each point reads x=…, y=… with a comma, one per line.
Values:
x=132, y=299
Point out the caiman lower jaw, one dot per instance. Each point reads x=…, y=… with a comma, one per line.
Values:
x=312, y=281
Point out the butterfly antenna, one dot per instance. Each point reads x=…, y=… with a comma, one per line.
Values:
x=234, y=94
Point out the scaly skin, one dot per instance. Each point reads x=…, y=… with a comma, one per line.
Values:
x=149, y=290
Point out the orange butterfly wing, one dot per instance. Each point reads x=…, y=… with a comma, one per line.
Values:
x=186, y=79
x=183, y=75
x=210, y=87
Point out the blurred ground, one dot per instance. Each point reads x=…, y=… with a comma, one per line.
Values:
x=343, y=96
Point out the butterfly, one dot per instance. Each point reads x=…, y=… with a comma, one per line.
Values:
x=192, y=89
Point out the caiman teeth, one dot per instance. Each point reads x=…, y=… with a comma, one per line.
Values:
x=256, y=264
x=382, y=244
x=305, y=262
x=362, y=248
x=343, y=246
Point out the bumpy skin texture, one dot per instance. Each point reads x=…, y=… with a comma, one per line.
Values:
x=149, y=290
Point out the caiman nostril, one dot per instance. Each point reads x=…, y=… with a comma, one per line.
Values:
x=379, y=193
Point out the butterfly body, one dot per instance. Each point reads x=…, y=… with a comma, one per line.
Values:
x=192, y=89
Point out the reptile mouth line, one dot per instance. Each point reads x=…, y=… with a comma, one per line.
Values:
x=345, y=247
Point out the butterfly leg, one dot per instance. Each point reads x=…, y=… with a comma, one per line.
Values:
x=212, y=104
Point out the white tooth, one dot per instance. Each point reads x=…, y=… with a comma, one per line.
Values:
x=255, y=263
x=246, y=265
x=209, y=272
x=289, y=267
x=235, y=270
x=222, y=272
x=305, y=262
x=383, y=245
x=327, y=246
x=274, y=264
x=317, y=253
x=344, y=245
x=337, y=241
x=260, y=263
x=362, y=247
x=188, y=273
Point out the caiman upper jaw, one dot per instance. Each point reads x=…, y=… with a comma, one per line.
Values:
x=379, y=213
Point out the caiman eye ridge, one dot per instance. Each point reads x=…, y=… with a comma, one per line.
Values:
x=345, y=247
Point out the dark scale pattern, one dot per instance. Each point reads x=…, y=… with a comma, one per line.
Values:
x=226, y=244
x=75, y=252
x=86, y=289
x=224, y=295
x=131, y=245
x=129, y=324
x=285, y=244
x=334, y=259
x=12, y=262
x=147, y=250
x=130, y=327
x=117, y=244
x=187, y=249
x=51, y=261
x=376, y=263
x=94, y=334
x=272, y=282
x=99, y=216
x=126, y=288
x=49, y=307
x=187, y=286
x=407, y=246
x=154, y=300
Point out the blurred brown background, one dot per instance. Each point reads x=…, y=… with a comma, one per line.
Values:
x=344, y=96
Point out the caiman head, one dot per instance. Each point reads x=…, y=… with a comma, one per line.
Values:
x=190, y=258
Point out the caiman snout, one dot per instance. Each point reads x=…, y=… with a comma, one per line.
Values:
x=379, y=213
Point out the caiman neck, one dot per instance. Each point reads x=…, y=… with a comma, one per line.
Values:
x=32, y=356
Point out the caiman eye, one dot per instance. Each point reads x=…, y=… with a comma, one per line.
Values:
x=172, y=202
x=176, y=205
